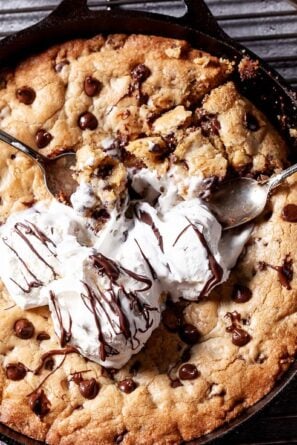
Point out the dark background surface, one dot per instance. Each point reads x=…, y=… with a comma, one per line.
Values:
x=269, y=28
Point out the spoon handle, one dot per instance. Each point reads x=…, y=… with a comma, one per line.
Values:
x=15, y=143
x=278, y=179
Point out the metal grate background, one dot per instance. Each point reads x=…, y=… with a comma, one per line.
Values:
x=269, y=28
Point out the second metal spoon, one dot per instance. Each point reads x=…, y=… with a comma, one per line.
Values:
x=57, y=171
x=243, y=199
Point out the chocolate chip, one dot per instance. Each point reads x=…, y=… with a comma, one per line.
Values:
x=240, y=337
x=43, y=138
x=171, y=318
x=127, y=386
x=43, y=336
x=241, y=294
x=289, y=213
x=188, y=372
x=140, y=73
x=15, y=371
x=39, y=403
x=189, y=334
x=104, y=171
x=25, y=95
x=89, y=388
x=59, y=66
x=208, y=122
x=49, y=364
x=24, y=329
x=91, y=86
x=87, y=121
x=251, y=122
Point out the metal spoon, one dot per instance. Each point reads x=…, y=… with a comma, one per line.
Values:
x=56, y=171
x=241, y=200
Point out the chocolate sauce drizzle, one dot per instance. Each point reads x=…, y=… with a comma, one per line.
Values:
x=285, y=271
x=65, y=335
x=152, y=270
x=217, y=271
x=29, y=229
x=147, y=219
x=24, y=231
x=51, y=353
x=109, y=305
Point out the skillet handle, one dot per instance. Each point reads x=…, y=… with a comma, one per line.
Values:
x=68, y=8
x=199, y=17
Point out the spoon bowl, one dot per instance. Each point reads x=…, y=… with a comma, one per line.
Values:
x=239, y=201
x=243, y=199
x=57, y=171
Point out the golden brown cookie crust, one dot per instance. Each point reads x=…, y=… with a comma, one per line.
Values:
x=187, y=93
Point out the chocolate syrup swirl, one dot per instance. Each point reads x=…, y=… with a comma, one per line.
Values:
x=108, y=304
x=25, y=230
x=147, y=219
x=65, y=335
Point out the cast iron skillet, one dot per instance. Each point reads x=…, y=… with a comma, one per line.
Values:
x=268, y=90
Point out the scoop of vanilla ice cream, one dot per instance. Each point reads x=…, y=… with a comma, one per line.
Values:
x=109, y=310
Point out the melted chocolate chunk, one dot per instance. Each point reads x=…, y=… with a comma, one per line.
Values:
x=251, y=122
x=171, y=318
x=59, y=66
x=285, y=271
x=39, y=403
x=188, y=372
x=210, y=126
x=89, y=388
x=140, y=73
x=15, y=371
x=91, y=86
x=25, y=95
x=104, y=171
x=240, y=337
x=289, y=213
x=87, y=121
x=189, y=334
x=43, y=138
x=127, y=386
x=241, y=294
x=24, y=329
x=43, y=336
